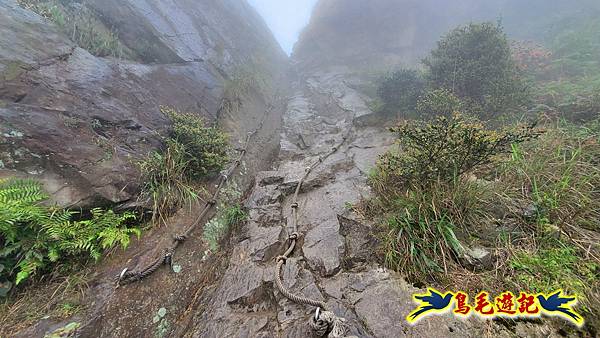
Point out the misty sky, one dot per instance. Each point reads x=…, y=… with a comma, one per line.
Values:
x=285, y=18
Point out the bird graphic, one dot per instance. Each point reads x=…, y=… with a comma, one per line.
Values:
x=431, y=302
x=556, y=305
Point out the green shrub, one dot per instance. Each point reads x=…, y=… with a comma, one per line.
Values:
x=475, y=63
x=421, y=189
x=206, y=147
x=400, y=90
x=166, y=180
x=193, y=152
x=438, y=102
x=34, y=236
x=442, y=149
x=537, y=210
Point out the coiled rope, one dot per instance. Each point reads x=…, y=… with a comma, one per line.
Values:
x=324, y=323
x=127, y=277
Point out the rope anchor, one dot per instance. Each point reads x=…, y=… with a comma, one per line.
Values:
x=127, y=276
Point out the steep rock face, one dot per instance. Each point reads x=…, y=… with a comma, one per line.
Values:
x=78, y=122
x=222, y=32
x=379, y=34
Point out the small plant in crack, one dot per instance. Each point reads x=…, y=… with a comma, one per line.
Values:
x=229, y=213
x=163, y=324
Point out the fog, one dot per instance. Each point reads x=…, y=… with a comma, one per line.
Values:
x=285, y=18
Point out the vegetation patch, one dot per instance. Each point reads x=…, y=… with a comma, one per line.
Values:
x=400, y=90
x=80, y=25
x=528, y=198
x=45, y=251
x=36, y=237
x=193, y=152
x=472, y=64
x=229, y=213
x=442, y=150
x=531, y=199
x=475, y=62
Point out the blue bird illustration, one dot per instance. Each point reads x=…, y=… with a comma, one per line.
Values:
x=434, y=301
x=555, y=304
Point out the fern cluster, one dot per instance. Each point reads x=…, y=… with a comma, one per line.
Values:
x=34, y=236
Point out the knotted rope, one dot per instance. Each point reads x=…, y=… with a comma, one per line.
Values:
x=127, y=276
x=324, y=323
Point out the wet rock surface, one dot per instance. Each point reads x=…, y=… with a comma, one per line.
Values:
x=333, y=261
x=78, y=123
x=74, y=121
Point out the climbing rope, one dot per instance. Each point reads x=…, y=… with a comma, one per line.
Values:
x=324, y=323
x=166, y=257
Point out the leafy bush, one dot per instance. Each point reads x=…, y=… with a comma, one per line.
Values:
x=538, y=210
x=475, y=63
x=35, y=236
x=400, y=90
x=442, y=149
x=421, y=189
x=438, y=102
x=206, y=147
x=193, y=152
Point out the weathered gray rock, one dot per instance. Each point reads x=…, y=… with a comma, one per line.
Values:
x=478, y=258
x=79, y=123
x=225, y=33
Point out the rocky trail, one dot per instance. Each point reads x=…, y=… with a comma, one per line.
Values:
x=76, y=122
x=232, y=293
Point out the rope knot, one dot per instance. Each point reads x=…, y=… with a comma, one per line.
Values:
x=281, y=258
x=294, y=205
x=294, y=236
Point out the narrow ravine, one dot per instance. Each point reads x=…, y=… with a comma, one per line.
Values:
x=334, y=260
x=82, y=122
